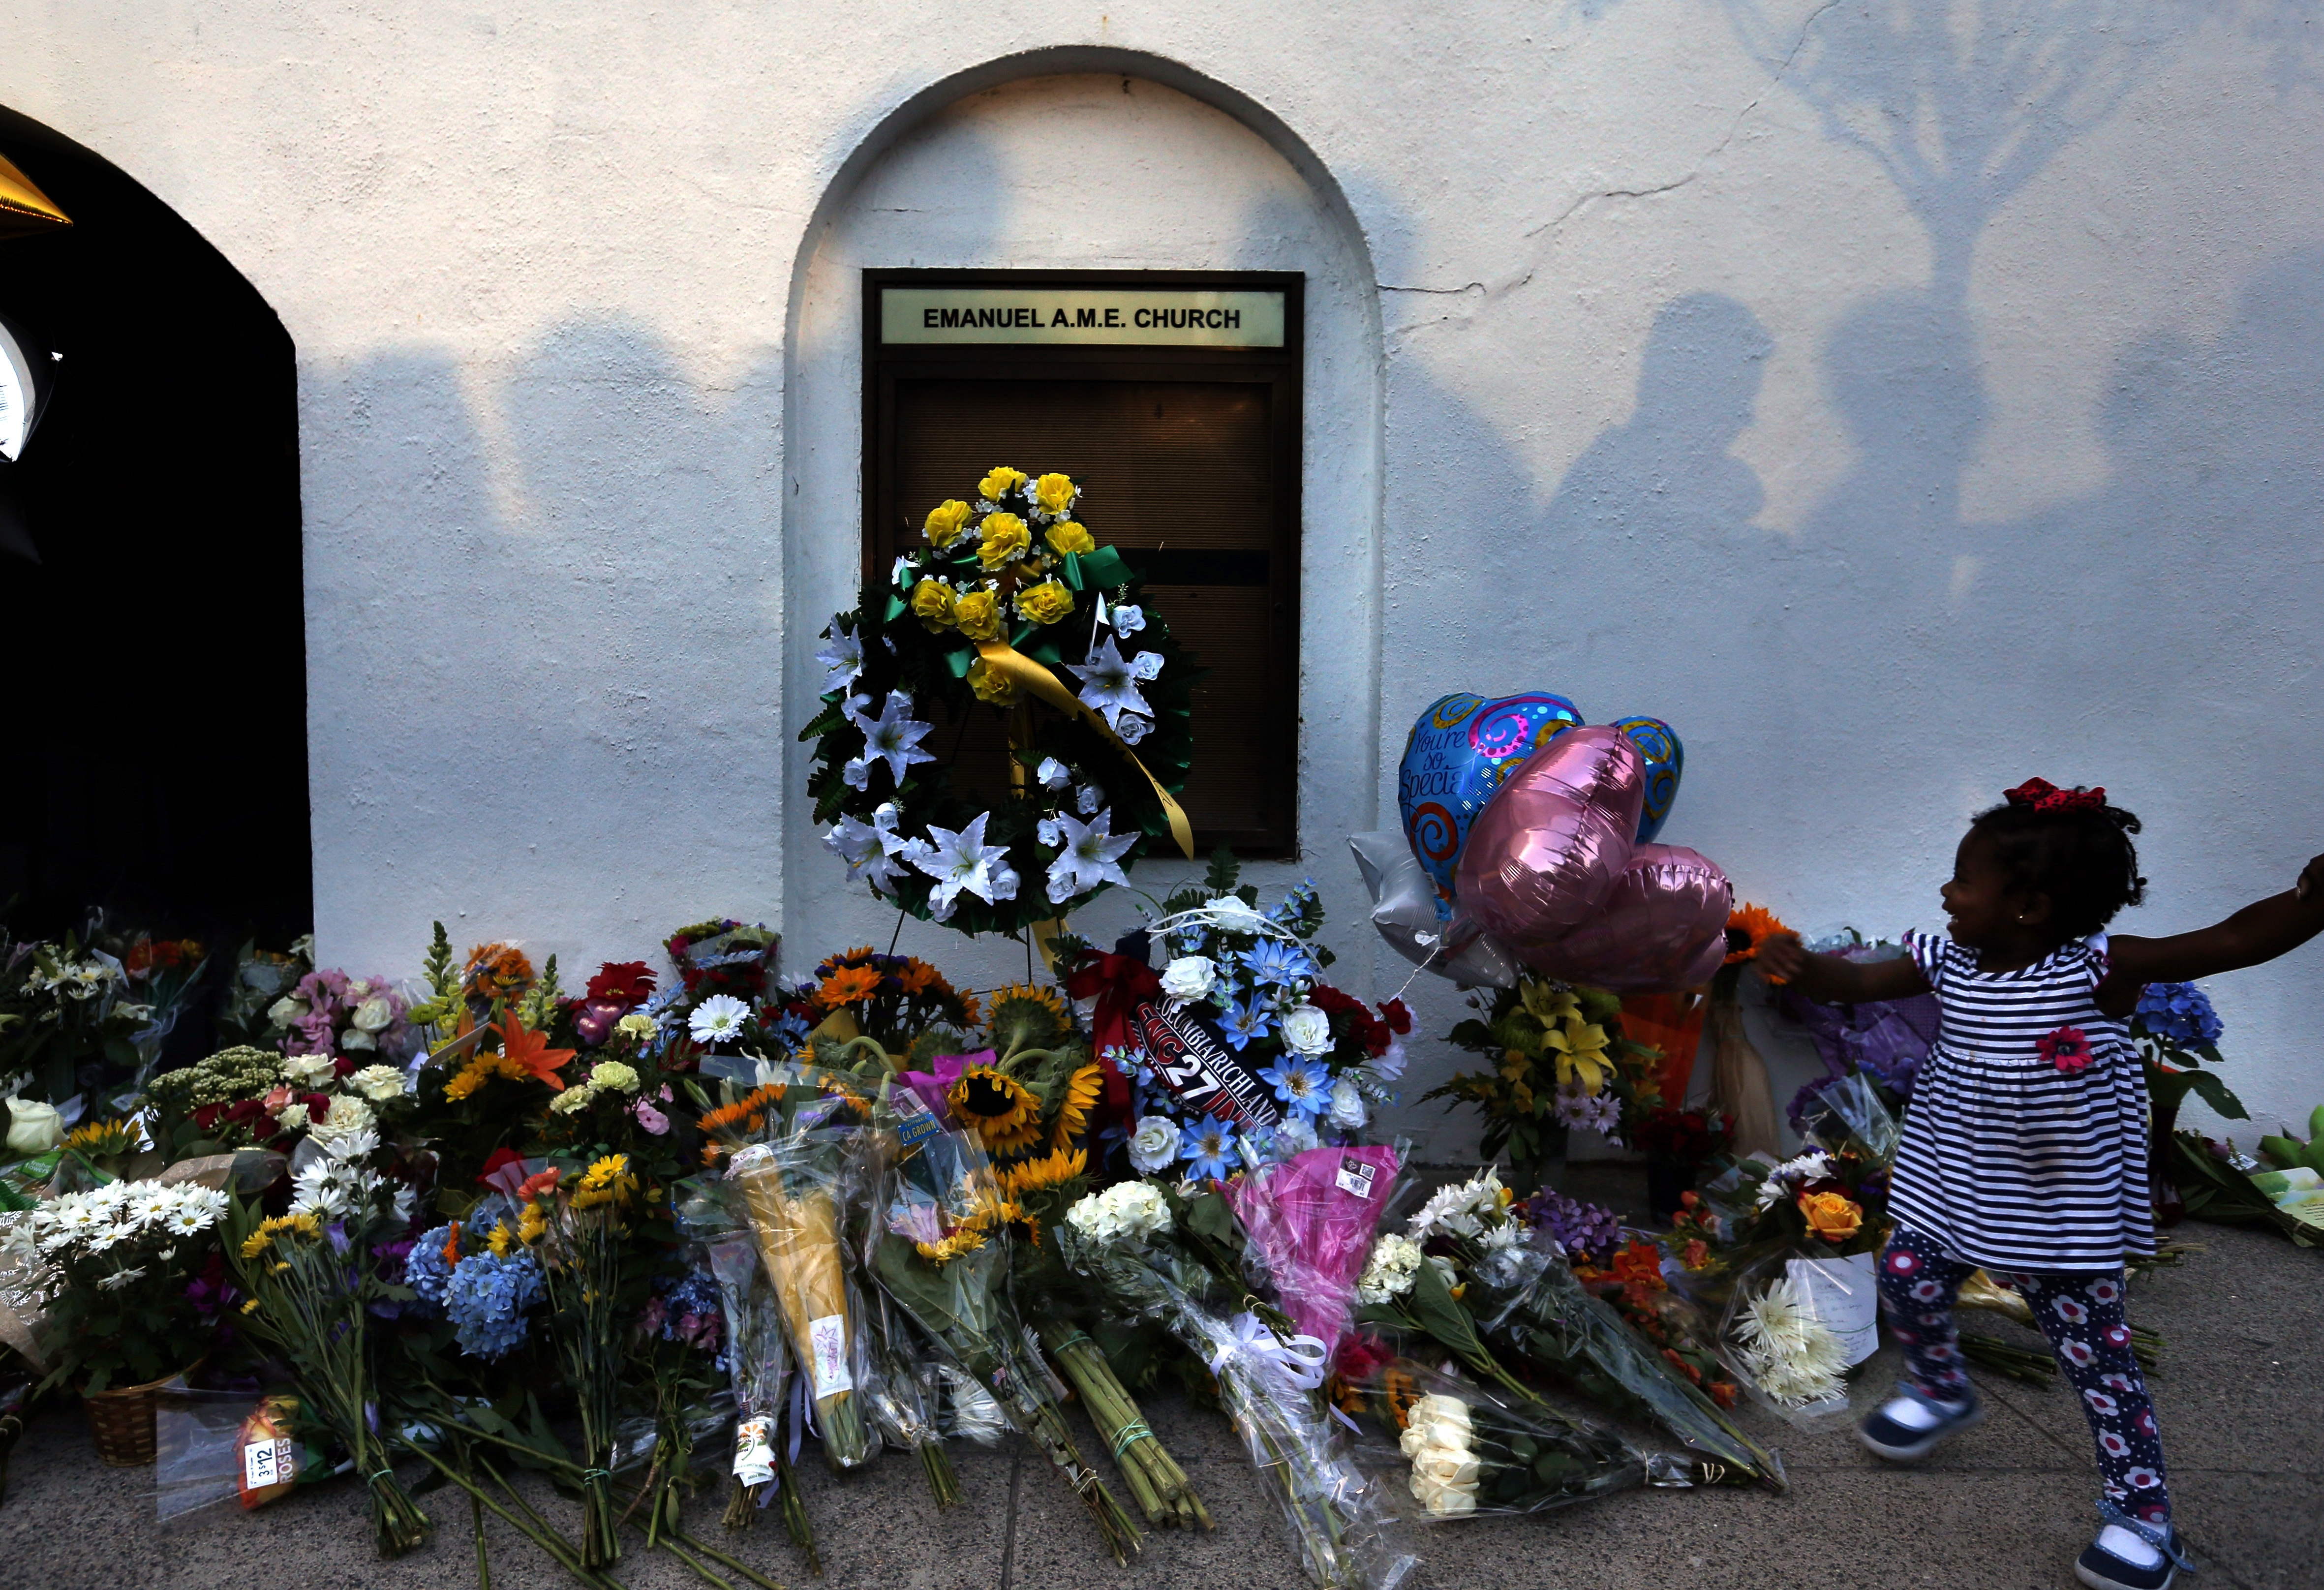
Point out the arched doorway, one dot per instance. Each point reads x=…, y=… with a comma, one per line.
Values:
x=1087, y=160
x=155, y=654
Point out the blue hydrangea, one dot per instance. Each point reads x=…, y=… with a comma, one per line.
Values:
x=425, y=1272
x=487, y=1298
x=2178, y=1012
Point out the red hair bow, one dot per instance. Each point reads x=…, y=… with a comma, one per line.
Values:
x=2043, y=795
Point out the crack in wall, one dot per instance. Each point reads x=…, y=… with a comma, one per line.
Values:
x=1517, y=279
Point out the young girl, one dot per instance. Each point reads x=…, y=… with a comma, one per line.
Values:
x=2025, y=1147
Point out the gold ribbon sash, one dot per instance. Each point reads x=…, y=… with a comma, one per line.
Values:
x=1004, y=659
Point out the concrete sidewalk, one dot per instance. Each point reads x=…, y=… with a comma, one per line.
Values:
x=2240, y=1392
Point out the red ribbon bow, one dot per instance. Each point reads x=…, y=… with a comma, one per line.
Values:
x=1120, y=984
x=2043, y=795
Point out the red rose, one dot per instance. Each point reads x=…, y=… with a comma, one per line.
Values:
x=343, y=1067
x=207, y=1116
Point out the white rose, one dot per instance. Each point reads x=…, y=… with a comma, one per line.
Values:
x=1296, y=1135
x=1447, y=1465
x=1154, y=1146
x=355, y=1038
x=307, y=1071
x=374, y=1013
x=1231, y=913
x=33, y=1127
x=347, y=1114
x=1190, y=976
x=378, y=1082
x=1347, y=1112
x=1307, y=1031
x=287, y=1010
x=291, y=1117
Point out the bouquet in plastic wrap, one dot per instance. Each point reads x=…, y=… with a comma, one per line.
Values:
x=1161, y=1255
x=792, y=1156
x=938, y=1243
x=1308, y=1225
x=1463, y=1450
x=1520, y=1302
x=313, y=1284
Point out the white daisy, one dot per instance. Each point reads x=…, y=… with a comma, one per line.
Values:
x=718, y=1019
x=120, y=1278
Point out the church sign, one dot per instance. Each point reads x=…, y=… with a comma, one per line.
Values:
x=1099, y=315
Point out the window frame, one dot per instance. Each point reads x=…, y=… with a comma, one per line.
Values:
x=1281, y=370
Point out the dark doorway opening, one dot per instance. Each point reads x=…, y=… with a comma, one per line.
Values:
x=156, y=741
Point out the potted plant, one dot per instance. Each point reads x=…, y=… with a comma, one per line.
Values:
x=127, y=1294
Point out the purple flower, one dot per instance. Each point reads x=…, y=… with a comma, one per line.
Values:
x=1580, y=1228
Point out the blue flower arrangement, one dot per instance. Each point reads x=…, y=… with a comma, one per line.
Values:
x=487, y=1299
x=2178, y=1012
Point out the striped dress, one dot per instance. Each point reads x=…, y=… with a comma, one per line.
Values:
x=2006, y=1161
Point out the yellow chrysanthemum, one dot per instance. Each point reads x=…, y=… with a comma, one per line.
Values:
x=1005, y=539
x=992, y=686
x=945, y=521
x=1047, y=603
x=486, y=1065
x=932, y=601
x=999, y=483
x=978, y=615
x=1081, y=1094
x=1001, y=1110
x=1070, y=536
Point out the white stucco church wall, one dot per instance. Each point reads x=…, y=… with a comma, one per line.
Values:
x=1900, y=400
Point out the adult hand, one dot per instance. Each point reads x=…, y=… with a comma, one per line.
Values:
x=2311, y=878
x=1782, y=957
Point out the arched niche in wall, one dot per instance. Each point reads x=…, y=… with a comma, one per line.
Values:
x=157, y=734
x=1078, y=161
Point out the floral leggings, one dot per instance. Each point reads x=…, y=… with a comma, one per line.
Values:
x=2082, y=1315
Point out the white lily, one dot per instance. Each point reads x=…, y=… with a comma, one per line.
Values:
x=1092, y=857
x=893, y=738
x=960, y=861
x=1109, y=682
x=843, y=659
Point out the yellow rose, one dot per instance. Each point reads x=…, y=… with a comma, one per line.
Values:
x=1045, y=602
x=1053, y=493
x=1831, y=1215
x=999, y=483
x=990, y=684
x=978, y=615
x=1072, y=536
x=947, y=519
x=932, y=601
x=1005, y=540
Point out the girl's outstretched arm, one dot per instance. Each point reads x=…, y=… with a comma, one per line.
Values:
x=1834, y=981
x=2259, y=932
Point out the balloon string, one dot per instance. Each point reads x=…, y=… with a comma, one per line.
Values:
x=1420, y=968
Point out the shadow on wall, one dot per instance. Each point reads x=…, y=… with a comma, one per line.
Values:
x=626, y=540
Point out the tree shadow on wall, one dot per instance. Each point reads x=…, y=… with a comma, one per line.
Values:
x=565, y=638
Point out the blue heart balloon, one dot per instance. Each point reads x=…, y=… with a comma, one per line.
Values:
x=1658, y=742
x=1456, y=757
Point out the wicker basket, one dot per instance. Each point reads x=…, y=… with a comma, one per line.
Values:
x=122, y=1420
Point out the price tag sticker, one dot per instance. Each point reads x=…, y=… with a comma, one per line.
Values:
x=1356, y=1176
x=915, y=1121
x=828, y=1342
x=269, y=1463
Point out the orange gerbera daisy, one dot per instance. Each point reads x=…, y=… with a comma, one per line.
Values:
x=1755, y=924
x=847, y=986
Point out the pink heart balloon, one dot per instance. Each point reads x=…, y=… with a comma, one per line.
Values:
x=1543, y=854
x=1663, y=927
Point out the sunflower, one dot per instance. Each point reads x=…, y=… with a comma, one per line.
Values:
x=917, y=974
x=1081, y=1094
x=1003, y=1110
x=1748, y=926
x=1026, y=1017
x=847, y=986
x=965, y=1239
x=744, y=1117
x=101, y=1138
x=1031, y=1176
